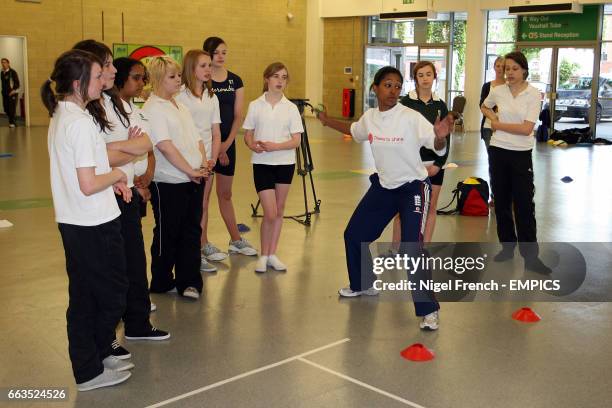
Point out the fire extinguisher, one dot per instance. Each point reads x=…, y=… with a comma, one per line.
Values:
x=348, y=102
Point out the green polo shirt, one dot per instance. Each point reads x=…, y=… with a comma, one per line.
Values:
x=430, y=110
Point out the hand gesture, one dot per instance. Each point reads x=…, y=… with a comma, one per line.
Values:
x=268, y=146
x=122, y=189
x=143, y=180
x=432, y=170
x=223, y=159
x=144, y=193
x=134, y=132
x=443, y=127
x=256, y=147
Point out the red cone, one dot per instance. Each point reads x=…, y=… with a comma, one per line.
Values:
x=526, y=315
x=417, y=352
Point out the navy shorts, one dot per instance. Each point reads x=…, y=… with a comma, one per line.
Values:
x=266, y=176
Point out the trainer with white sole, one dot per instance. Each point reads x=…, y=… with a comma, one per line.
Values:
x=274, y=130
x=395, y=134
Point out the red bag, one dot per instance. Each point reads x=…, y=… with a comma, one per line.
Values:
x=473, y=198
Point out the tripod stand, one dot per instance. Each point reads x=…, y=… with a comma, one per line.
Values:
x=304, y=167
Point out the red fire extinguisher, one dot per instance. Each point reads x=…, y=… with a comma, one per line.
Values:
x=348, y=103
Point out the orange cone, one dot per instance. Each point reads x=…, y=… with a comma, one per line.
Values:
x=417, y=352
x=526, y=315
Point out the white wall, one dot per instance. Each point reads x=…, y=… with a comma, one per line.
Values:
x=12, y=48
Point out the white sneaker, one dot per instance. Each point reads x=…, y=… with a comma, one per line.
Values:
x=106, y=379
x=11, y=125
x=276, y=263
x=243, y=247
x=430, y=322
x=206, y=266
x=212, y=253
x=191, y=293
x=348, y=292
x=113, y=363
x=153, y=307
x=262, y=264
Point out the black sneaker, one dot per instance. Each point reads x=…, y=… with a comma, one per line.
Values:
x=154, y=334
x=505, y=254
x=536, y=265
x=118, y=351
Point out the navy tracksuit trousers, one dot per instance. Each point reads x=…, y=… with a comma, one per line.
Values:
x=374, y=212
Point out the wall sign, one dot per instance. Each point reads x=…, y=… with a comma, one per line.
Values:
x=140, y=52
x=560, y=27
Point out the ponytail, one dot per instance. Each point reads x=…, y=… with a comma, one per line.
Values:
x=48, y=97
x=73, y=65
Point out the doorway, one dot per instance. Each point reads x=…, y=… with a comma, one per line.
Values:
x=564, y=77
x=404, y=58
x=14, y=48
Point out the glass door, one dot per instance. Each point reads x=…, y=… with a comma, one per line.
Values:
x=439, y=57
x=574, y=81
x=541, y=73
x=404, y=59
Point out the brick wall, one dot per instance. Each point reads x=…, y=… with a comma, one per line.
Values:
x=257, y=33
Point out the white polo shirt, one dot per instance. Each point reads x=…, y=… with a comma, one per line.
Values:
x=119, y=131
x=204, y=111
x=396, y=137
x=166, y=122
x=75, y=142
x=273, y=124
x=524, y=107
x=140, y=163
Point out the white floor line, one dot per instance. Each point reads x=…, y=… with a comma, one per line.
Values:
x=246, y=374
x=361, y=383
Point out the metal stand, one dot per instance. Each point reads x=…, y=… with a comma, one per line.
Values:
x=304, y=168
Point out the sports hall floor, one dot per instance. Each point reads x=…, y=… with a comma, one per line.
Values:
x=286, y=339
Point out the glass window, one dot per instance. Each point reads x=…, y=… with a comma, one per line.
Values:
x=607, y=23
x=501, y=27
x=403, y=32
x=379, y=31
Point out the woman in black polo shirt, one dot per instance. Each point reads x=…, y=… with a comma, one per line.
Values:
x=422, y=99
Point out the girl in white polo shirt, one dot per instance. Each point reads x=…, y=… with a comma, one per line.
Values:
x=121, y=130
x=510, y=165
x=396, y=134
x=87, y=214
x=273, y=130
x=176, y=190
x=197, y=95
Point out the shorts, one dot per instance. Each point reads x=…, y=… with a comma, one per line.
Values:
x=231, y=167
x=438, y=178
x=266, y=176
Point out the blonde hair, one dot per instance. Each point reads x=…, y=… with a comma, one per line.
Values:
x=158, y=67
x=271, y=70
x=190, y=62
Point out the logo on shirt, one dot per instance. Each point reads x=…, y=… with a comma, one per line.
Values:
x=385, y=139
x=231, y=81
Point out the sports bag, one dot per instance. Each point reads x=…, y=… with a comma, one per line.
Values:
x=472, y=195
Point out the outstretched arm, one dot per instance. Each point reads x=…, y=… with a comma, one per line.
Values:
x=340, y=126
